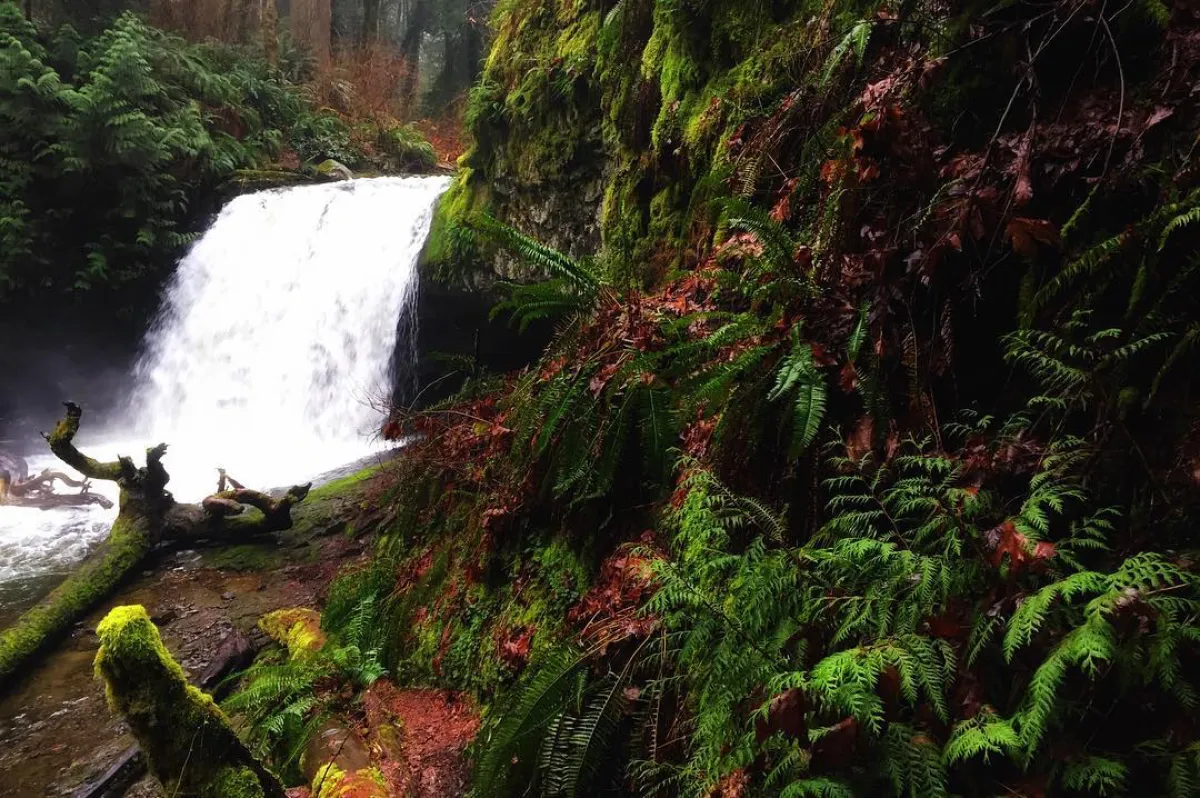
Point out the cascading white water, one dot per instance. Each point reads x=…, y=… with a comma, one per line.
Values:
x=271, y=353
x=274, y=345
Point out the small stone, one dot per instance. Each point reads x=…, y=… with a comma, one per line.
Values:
x=227, y=595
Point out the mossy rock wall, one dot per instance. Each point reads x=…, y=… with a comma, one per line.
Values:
x=599, y=124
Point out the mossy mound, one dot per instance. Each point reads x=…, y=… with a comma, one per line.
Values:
x=333, y=782
x=298, y=629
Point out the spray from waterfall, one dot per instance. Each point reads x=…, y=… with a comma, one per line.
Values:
x=273, y=346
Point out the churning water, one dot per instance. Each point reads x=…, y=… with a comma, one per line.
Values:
x=270, y=356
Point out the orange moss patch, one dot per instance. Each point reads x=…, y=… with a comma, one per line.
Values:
x=420, y=737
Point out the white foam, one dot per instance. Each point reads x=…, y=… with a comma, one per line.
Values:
x=270, y=357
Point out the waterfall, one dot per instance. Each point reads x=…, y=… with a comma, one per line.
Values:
x=271, y=354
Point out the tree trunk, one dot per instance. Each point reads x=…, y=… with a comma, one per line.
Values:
x=312, y=26
x=269, y=31
x=410, y=47
x=370, y=28
x=148, y=516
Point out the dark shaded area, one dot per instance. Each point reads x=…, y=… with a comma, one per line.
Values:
x=47, y=359
x=456, y=339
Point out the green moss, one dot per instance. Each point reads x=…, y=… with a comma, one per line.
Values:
x=451, y=633
x=128, y=542
x=234, y=782
x=450, y=249
x=298, y=629
x=576, y=45
x=330, y=502
x=189, y=744
x=327, y=781
x=331, y=781
x=246, y=557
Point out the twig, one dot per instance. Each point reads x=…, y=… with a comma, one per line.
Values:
x=1121, y=108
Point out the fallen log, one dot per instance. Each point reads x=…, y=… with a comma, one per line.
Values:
x=39, y=492
x=148, y=517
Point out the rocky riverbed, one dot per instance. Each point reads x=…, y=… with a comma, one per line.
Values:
x=57, y=735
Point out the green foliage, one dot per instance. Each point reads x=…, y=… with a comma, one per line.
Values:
x=407, y=150
x=894, y=554
x=278, y=704
x=981, y=736
x=529, y=722
x=559, y=730
x=112, y=148
x=551, y=262
x=317, y=137
x=798, y=376
x=566, y=287
x=853, y=44
x=916, y=608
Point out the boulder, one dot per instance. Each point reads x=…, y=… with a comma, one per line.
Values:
x=333, y=170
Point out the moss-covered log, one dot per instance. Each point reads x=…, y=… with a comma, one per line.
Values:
x=148, y=516
x=128, y=542
x=189, y=744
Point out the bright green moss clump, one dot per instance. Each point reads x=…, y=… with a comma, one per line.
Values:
x=333, y=782
x=190, y=746
x=234, y=782
x=298, y=629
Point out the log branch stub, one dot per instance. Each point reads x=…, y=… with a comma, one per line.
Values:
x=62, y=443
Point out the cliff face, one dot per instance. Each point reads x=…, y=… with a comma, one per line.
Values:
x=614, y=125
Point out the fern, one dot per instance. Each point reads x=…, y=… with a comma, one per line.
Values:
x=550, y=261
x=982, y=736
x=1096, y=775
x=1185, y=219
x=778, y=246
x=512, y=741
x=853, y=43
x=798, y=376
x=817, y=788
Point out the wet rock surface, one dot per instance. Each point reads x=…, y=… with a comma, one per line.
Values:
x=56, y=732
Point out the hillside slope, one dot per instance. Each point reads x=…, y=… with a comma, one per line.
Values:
x=865, y=459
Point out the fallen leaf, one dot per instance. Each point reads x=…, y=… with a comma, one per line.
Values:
x=1026, y=234
x=1160, y=114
